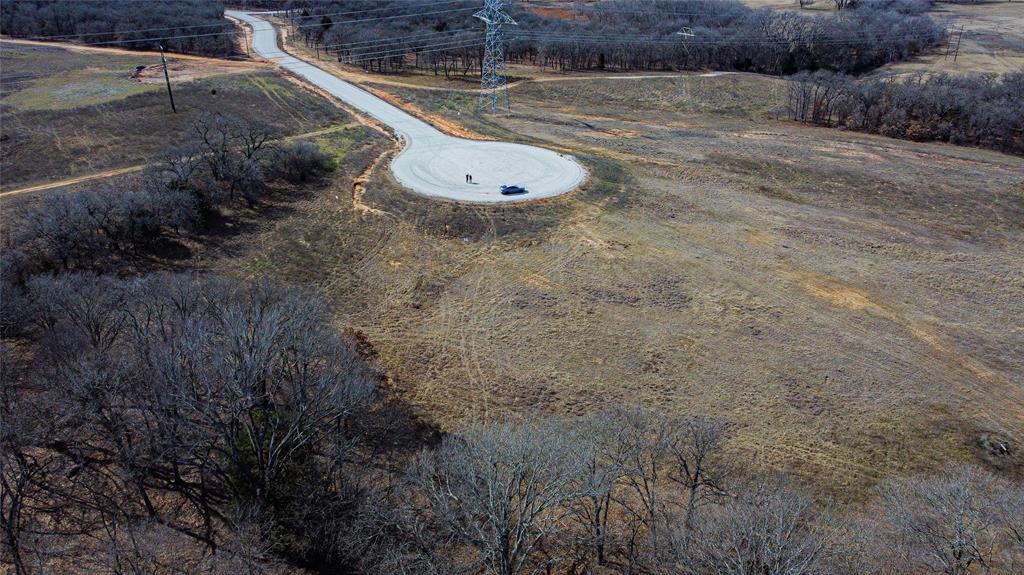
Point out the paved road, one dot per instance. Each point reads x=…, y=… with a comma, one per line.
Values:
x=433, y=163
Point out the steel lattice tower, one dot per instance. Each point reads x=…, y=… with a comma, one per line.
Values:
x=492, y=83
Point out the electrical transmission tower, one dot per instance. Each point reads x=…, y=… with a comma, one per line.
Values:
x=492, y=83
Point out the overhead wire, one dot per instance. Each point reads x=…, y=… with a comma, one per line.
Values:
x=233, y=31
x=395, y=40
x=228, y=23
x=742, y=40
x=381, y=18
x=456, y=39
x=428, y=4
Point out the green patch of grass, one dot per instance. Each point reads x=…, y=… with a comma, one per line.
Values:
x=608, y=179
x=77, y=88
x=272, y=90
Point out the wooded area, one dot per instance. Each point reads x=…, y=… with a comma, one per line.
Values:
x=156, y=422
x=985, y=111
x=627, y=35
x=187, y=26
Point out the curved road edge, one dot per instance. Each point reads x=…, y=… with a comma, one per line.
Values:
x=433, y=163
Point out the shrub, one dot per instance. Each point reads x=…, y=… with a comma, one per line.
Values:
x=301, y=162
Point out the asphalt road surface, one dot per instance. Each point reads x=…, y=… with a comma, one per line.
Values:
x=433, y=163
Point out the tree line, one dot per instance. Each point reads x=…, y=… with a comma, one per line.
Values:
x=980, y=110
x=626, y=35
x=188, y=26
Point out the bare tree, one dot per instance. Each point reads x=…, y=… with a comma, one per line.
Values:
x=603, y=469
x=196, y=391
x=697, y=463
x=301, y=161
x=643, y=438
x=770, y=528
x=231, y=148
x=501, y=490
x=19, y=470
x=952, y=522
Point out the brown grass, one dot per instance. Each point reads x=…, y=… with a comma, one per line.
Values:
x=848, y=300
x=993, y=41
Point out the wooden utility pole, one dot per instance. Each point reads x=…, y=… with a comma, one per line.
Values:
x=167, y=79
x=956, y=52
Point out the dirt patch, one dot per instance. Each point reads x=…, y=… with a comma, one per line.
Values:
x=843, y=295
x=840, y=294
x=186, y=70
x=359, y=184
x=666, y=282
x=559, y=13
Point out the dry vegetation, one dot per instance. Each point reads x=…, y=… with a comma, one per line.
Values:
x=845, y=308
x=70, y=112
x=993, y=40
x=850, y=301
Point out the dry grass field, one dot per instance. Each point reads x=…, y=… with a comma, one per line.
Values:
x=853, y=303
x=993, y=41
x=69, y=112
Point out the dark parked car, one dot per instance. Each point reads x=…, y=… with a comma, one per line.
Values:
x=512, y=190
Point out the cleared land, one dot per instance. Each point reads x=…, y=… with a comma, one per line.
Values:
x=993, y=41
x=71, y=112
x=853, y=303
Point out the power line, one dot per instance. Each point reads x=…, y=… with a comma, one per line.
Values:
x=414, y=15
x=394, y=40
x=232, y=31
x=228, y=23
x=403, y=51
x=729, y=41
x=428, y=4
x=356, y=59
x=83, y=34
x=135, y=41
x=363, y=58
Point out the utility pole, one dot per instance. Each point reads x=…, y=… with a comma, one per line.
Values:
x=956, y=52
x=491, y=80
x=167, y=79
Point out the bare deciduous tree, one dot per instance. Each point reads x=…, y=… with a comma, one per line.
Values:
x=697, y=463
x=195, y=391
x=952, y=522
x=768, y=529
x=231, y=148
x=501, y=490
